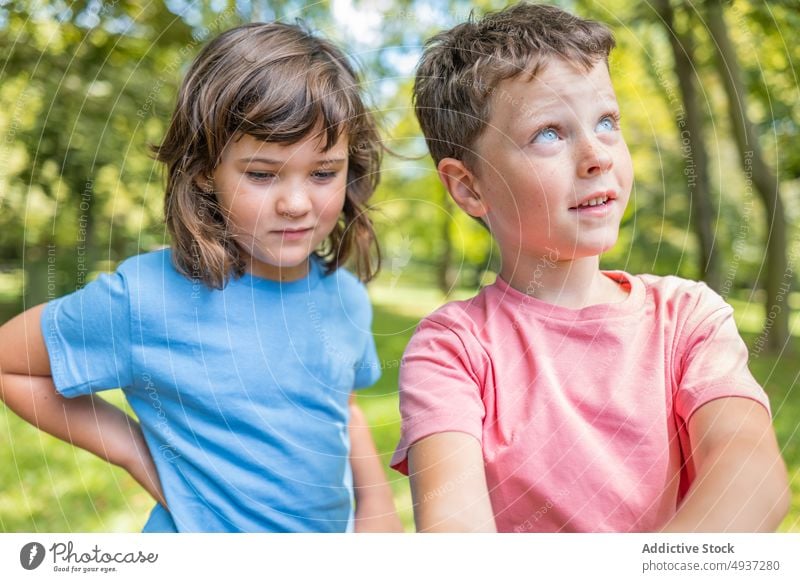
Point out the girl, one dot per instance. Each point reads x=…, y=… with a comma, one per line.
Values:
x=240, y=346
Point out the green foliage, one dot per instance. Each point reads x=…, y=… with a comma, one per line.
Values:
x=87, y=90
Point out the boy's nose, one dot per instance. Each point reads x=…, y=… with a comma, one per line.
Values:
x=594, y=157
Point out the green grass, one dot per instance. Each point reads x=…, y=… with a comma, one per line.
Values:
x=49, y=486
x=780, y=378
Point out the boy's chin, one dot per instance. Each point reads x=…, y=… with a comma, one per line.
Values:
x=600, y=244
x=598, y=250
x=582, y=250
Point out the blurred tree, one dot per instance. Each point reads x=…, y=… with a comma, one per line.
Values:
x=777, y=277
x=90, y=79
x=691, y=135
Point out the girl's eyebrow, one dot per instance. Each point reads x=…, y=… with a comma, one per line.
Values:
x=259, y=159
x=283, y=162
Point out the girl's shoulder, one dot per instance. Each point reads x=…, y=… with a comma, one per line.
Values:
x=344, y=279
x=159, y=260
x=348, y=289
x=152, y=270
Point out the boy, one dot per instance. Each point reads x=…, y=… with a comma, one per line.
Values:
x=563, y=397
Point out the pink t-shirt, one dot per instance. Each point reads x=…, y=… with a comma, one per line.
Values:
x=581, y=414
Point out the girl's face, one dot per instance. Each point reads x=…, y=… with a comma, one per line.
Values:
x=281, y=201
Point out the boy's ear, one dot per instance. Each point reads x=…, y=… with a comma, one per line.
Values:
x=463, y=187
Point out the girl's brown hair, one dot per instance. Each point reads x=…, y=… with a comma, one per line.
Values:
x=276, y=82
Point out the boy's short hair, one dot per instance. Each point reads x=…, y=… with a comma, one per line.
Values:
x=461, y=68
x=276, y=82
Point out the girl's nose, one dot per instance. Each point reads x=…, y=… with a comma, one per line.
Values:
x=295, y=203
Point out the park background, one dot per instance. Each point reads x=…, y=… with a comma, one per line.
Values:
x=711, y=106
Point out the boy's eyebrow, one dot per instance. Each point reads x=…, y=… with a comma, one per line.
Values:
x=283, y=162
x=542, y=107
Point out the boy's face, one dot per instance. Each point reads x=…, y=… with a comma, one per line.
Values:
x=281, y=201
x=552, y=145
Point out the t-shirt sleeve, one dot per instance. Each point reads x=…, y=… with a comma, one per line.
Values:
x=713, y=359
x=368, y=367
x=87, y=334
x=439, y=389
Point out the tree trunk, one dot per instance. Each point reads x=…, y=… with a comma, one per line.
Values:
x=40, y=282
x=691, y=136
x=86, y=251
x=777, y=277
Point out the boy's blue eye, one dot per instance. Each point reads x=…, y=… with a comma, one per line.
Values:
x=547, y=135
x=608, y=123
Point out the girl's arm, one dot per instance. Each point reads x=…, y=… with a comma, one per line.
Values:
x=375, y=510
x=741, y=483
x=448, y=484
x=88, y=422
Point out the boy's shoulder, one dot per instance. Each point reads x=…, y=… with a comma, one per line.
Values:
x=463, y=316
x=667, y=296
x=681, y=292
x=683, y=305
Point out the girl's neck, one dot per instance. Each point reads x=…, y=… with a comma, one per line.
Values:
x=276, y=273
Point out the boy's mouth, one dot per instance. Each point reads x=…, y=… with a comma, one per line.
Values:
x=595, y=199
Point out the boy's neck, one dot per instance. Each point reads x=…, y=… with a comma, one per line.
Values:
x=574, y=284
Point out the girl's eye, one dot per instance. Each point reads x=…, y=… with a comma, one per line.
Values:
x=260, y=176
x=324, y=175
x=608, y=123
x=547, y=135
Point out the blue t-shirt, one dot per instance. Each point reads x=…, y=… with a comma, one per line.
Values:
x=242, y=394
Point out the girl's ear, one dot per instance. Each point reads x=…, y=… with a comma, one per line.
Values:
x=463, y=187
